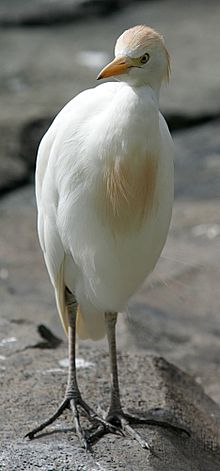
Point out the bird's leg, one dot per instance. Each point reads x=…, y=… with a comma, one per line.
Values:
x=116, y=415
x=115, y=401
x=72, y=399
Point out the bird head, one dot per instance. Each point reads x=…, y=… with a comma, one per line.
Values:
x=140, y=58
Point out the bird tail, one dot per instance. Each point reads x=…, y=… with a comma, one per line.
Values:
x=60, y=298
x=81, y=325
x=90, y=326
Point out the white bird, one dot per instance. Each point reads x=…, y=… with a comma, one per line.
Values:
x=104, y=189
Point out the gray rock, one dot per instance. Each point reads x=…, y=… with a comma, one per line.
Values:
x=198, y=162
x=32, y=383
x=44, y=12
x=29, y=139
x=13, y=170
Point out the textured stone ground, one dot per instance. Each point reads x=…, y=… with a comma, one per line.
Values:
x=34, y=379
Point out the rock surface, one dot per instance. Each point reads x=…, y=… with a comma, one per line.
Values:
x=34, y=379
x=45, y=12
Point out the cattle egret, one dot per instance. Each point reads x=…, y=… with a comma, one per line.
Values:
x=104, y=189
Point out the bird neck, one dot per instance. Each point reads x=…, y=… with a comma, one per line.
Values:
x=148, y=94
x=152, y=82
x=138, y=118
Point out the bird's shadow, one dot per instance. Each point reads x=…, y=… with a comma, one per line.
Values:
x=54, y=432
x=160, y=417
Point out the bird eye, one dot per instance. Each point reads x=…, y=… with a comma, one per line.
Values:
x=145, y=58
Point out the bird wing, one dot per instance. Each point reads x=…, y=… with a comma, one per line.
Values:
x=47, y=195
x=49, y=238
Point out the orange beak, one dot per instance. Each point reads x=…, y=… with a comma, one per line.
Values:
x=117, y=67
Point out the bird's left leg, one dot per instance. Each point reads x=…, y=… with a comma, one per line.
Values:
x=116, y=415
x=72, y=399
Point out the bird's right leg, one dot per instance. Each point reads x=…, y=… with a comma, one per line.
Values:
x=72, y=399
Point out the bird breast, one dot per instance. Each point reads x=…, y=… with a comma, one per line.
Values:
x=126, y=193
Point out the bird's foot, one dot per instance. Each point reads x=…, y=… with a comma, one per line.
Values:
x=123, y=422
x=74, y=402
